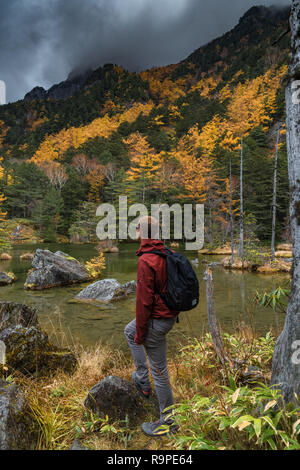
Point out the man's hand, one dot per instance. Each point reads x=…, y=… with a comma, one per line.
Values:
x=137, y=341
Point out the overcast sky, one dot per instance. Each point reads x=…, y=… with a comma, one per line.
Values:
x=42, y=41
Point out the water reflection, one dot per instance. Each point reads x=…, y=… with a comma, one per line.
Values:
x=88, y=324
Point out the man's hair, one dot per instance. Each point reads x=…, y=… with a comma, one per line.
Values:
x=149, y=227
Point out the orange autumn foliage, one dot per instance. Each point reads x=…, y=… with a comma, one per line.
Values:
x=161, y=87
x=54, y=146
x=3, y=132
x=206, y=85
x=144, y=160
x=2, y=214
x=252, y=104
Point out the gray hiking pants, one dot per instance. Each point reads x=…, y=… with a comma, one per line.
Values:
x=156, y=347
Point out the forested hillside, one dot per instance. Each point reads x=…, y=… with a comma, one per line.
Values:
x=162, y=135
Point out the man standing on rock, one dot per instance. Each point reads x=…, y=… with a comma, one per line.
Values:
x=147, y=332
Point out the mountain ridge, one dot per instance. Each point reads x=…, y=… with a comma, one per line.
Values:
x=175, y=127
x=256, y=16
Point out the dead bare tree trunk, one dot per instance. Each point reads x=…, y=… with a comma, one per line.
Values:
x=231, y=213
x=241, y=244
x=286, y=363
x=210, y=217
x=212, y=319
x=275, y=197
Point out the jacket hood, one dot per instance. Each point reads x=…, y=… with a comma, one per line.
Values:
x=149, y=244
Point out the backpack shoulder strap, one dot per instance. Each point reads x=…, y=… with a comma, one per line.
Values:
x=163, y=255
x=157, y=252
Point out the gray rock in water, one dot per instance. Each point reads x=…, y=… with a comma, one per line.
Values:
x=18, y=429
x=117, y=398
x=6, y=279
x=53, y=270
x=27, y=348
x=106, y=290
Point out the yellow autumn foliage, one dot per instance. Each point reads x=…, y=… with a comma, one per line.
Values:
x=161, y=87
x=3, y=132
x=95, y=266
x=144, y=160
x=206, y=85
x=54, y=146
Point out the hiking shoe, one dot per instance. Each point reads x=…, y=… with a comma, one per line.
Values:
x=145, y=392
x=158, y=429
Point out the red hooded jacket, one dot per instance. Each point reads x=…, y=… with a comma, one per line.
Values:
x=151, y=271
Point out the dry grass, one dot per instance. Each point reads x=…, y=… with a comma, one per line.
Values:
x=275, y=266
x=57, y=401
x=285, y=247
x=223, y=250
x=238, y=264
x=283, y=254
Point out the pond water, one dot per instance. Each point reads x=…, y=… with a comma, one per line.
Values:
x=87, y=324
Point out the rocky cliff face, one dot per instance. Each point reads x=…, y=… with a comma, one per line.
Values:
x=60, y=91
x=254, y=19
x=261, y=13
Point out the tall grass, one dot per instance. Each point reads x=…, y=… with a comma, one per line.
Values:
x=216, y=407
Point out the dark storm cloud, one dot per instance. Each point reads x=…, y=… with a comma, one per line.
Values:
x=41, y=41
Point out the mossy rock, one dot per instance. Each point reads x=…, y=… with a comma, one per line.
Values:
x=28, y=349
x=60, y=359
x=7, y=279
x=119, y=398
x=18, y=428
x=54, y=270
x=12, y=314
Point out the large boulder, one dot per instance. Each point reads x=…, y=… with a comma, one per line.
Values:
x=18, y=428
x=12, y=314
x=53, y=270
x=27, y=347
x=106, y=290
x=119, y=398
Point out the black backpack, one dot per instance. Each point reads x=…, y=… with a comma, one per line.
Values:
x=182, y=293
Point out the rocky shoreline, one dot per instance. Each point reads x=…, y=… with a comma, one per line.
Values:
x=27, y=352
